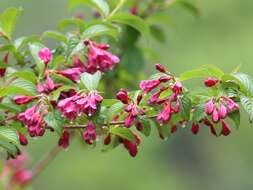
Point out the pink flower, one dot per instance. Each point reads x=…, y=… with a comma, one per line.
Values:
x=177, y=88
x=210, y=82
x=89, y=135
x=45, y=55
x=131, y=147
x=226, y=130
x=215, y=116
x=132, y=109
x=149, y=85
x=165, y=116
x=77, y=63
x=64, y=140
x=22, y=139
x=211, y=126
x=72, y=74
x=129, y=120
x=232, y=106
x=209, y=107
x=107, y=139
x=68, y=107
x=33, y=119
x=222, y=112
x=20, y=100
x=122, y=95
x=99, y=59
x=160, y=68
x=21, y=177
x=134, y=10
x=165, y=78
x=195, y=128
x=172, y=130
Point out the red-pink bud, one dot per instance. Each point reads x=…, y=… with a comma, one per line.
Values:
x=21, y=177
x=177, y=88
x=195, y=128
x=22, y=139
x=210, y=82
x=122, y=95
x=160, y=68
x=107, y=139
x=64, y=140
x=134, y=10
x=209, y=107
x=5, y=61
x=215, y=116
x=19, y=100
x=131, y=147
x=139, y=98
x=226, y=130
x=139, y=126
x=173, y=129
x=211, y=126
x=149, y=85
x=222, y=112
x=165, y=78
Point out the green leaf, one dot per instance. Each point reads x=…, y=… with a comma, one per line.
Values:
x=123, y=132
x=25, y=84
x=74, y=45
x=27, y=75
x=247, y=81
x=188, y=6
x=72, y=22
x=114, y=110
x=146, y=127
x=109, y=102
x=185, y=106
x=8, y=21
x=34, y=49
x=10, y=107
x=14, y=90
x=133, y=21
x=55, y=35
x=100, y=5
x=198, y=113
x=100, y=30
x=235, y=116
x=158, y=34
x=9, y=135
x=23, y=41
x=247, y=104
x=11, y=149
x=163, y=130
x=91, y=81
x=55, y=120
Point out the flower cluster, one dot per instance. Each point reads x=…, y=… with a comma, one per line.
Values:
x=80, y=103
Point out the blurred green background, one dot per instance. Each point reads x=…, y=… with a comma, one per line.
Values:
x=221, y=35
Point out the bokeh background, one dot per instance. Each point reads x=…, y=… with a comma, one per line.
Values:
x=221, y=35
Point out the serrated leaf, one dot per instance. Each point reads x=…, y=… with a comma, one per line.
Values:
x=247, y=81
x=8, y=21
x=14, y=90
x=26, y=75
x=55, y=120
x=72, y=22
x=8, y=135
x=55, y=35
x=247, y=104
x=198, y=113
x=100, y=29
x=25, y=84
x=91, y=81
x=163, y=130
x=100, y=5
x=23, y=41
x=131, y=20
x=235, y=116
x=114, y=110
x=185, y=106
x=123, y=132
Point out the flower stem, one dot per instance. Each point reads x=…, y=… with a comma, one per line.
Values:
x=116, y=9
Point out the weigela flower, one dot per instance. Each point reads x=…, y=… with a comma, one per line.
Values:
x=177, y=88
x=45, y=55
x=5, y=61
x=48, y=87
x=210, y=82
x=68, y=107
x=160, y=68
x=20, y=100
x=64, y=140
x=132, y=147
x=226, y=130
x=165, y=115
x=33, y=119
x=209, y=107
x=99, y=59
x=72, y=74
x=195, y=128
x=21, y=177
x=89, y=134
x=122, y=95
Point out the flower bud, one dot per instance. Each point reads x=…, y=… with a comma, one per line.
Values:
x=149, y=85
x=222, y=112
x=21, y=177
x=173, y=129
x=122, y=95
x=45, y=55
x=177, y=88
x=20, y=100
x=22, y=139
x=90, y=135
x=226, y=130
x=215, y=116
x=210, y=82
x=209, y=107
x=5, y=61
x=131, y=147
x=195, y=128
x=160, y=68
x=139, y=126
x=211, y=126
x=64, y=140
x=107, y=139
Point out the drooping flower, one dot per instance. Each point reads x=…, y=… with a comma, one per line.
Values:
x=149, y=85
x=226, y=130
x=160, y=68
x=231, y=105
x=89, y=134
x=45, y=55
x=133, y=111
x=64, y=140
x=177, y=88
x=210, y=82
x=222, y=112
x=99, y=59
x=68, y=107
x=132, y=147
x=20, y=100
x=209, y=107
x=21, y=177
x=195, y=128
x=211, y=126
x=122, y=95
x=165, y=116
x=215, y=116
x=72, y=74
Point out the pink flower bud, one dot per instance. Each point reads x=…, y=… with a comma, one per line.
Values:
x=131, y=147
x=231, y=104
x=222, y=112
x=149, y=85
x=134, y=10
x=210, y=82
x=107, y=139
x=122, y=95
x=160, y=68
x=90, y=135
x=195, y=128
x=177, y=88
x=20, y=100
x=165, y=116
x=172, y=130
x=165, y=78
x=22, y=139
x=49, y=85
x=40, y=88
x=72, y=74
x=21, y=177
x=5, y=61
x=139, y=98
x=215, y=116
x=209, y=107
x=64, y=140
x=45, y=55
x=226, y=130
x=139, y=126
x=211, y=126
x=129, y=120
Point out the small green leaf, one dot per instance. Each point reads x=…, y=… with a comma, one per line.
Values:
x=8, y=21
x=185, y=106
x=72, y=22
x=91, y=81
x=55, y=35
x=55, y=120
x=235, y=116
x=247, y=104
x=198, y=113
x=27, y=75
x=131, y=20
x=146, y=127
x=25, y=84
x=163, y=130
x=114, y=110
x=14, y=90
x=109, y=102
x=9, y=135
x=247, y=81
x=123, y=132
x=23, y=41
x=100, y=5
x=55, y=95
